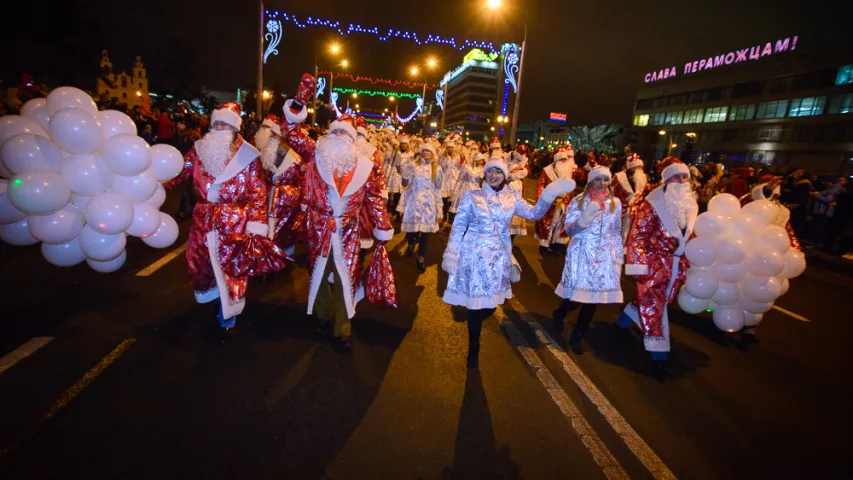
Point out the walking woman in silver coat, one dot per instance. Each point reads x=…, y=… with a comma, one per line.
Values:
x=479, y=257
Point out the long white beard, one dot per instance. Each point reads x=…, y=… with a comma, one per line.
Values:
x=640, y=179
x=263, y=137
x=214, y=150
x=269, y=155
x=564, y=168
x=335, y=154
x=679, y=199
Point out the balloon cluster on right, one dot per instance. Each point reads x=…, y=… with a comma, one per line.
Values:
x=740, y=262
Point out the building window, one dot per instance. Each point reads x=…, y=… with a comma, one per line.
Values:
x=772, y=109
x=742, y=112
x=695, y=97
x=749, y=89
x=677, y=118
x=772, y=134
x=140, y=84
x=644, y=104
x=845, y=75
x=658, y=119
x=679, y=99
x=694, y=116
x=841, y=103
x=717, y=114
x=806, y=107
x=641, y=120
x=777, y=85
x=124, y=82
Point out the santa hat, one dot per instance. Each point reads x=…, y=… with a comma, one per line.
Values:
x=766, y=178
x=361, y=126
x=272, y=122
x=672, y=166
x=344, y=123
x=229, y=114
x=596, y=172
x=634, y=161
x=495, y=143
x=499, y=163
x=560, y=156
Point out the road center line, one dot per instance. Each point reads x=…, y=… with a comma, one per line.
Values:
x=791, y=314
x=637, y=445
x=162, y=261
x=10, y=359
x=600, y=453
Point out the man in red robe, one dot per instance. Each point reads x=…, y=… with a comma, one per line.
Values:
x=628, y=186
x=549, y=231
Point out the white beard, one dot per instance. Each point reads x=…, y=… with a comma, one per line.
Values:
x=564, y=168
x=262, y=138
x=214, y=150
x=269, y=155
x=335, y=154
x=640, y=179
x=679, y=199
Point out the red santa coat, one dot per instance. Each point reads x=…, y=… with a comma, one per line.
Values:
x=332, y=219
x=783, y=220
x=366, y=235
x=623, y=190
x=655, y=256
x=545, y=226
x=231, y=210
x=287, y=220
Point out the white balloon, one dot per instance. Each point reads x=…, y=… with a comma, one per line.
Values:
x=70, y=97
x=701, y=284
x=36, y=109
x=760, y=289
x=4, y=172
x=108, y=266
x=729, y=273
x=165, y=235
x=26, y=151
x=76, y=131
x=80, y=201
x=159, y=198
x=127, y=155
x=691, y=304
x=17, y=233
x=751, y=319
x=114, y=123
x=724, y=204
x=146, y=220
x=87, y=175
x=166, y=162
x=763, y=211
x=710, y=225
x=700, y=251
x=60, y=227
x=8, y=212
x=712, y=305
x=109, y=214
x=64, y=254
x=39, y=192
x=786, y=284
x=729, y=318
x=100, y=247
x=12, y=125
x=744, y=224
x=775, y=238
x=754, y=307
x=138, y=188
x=764, y=262
x=795, y=264
x=727, y=293
x=699, y=268
x=730, y=249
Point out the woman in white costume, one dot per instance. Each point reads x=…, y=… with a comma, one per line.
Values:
x=470, y=178
x=517, y=173
x=421, y=200
x=395, y=179
x=450, y=166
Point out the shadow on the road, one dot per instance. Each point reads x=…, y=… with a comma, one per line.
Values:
x=475, y=454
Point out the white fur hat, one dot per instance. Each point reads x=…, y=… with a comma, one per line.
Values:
x=596, y=172
x=674, y=169
x=635, y=162
x=428, y=147
x=497, y=162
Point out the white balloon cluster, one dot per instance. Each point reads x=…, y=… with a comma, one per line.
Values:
x=740, y=262
x=80, y=181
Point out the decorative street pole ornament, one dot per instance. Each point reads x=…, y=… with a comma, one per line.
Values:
x=273, y=36
x=321, y=85
x=335, y=104
x=419, y=106
x=439, y=98
x=511, y=65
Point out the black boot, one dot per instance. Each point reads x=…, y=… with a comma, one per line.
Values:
x=587, y=311
x=558, y=321
x=421, y=265
x=342, y=344
x=575, y=343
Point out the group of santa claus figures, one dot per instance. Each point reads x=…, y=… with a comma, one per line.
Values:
x=339, y=194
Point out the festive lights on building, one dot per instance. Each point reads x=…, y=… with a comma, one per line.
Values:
x=374, y=93
x=384, y=34
x=374, y=81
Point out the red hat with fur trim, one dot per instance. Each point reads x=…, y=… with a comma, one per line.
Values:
x=229, y=114
x=346, y=124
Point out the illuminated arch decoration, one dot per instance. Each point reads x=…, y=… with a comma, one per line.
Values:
x=439, y=98
x=273, y=36
x=321, y=85
x=374, y=93
x=338, y=113
x=511, y=56
x=390, y=33
x=419, y=106
x=374, y=81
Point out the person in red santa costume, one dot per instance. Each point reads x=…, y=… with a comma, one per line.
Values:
x=228, y=238
x=628, y=186
x=655, y=256
x=549, y=231
x=340, y=182
x=367, y=148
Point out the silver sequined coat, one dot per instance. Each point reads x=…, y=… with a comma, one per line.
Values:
x=480, y=246
x=470, y=178
x=450, y=169
x=420, y=203
x=393, y=176
x=594, y=256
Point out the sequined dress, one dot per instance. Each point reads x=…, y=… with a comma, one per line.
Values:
x=470, y=178
x=392, y=175
x=420, y=203
x=450, y=166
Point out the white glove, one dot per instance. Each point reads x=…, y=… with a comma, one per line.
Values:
x=589, y=213
x=448, y=264
x=557, y=188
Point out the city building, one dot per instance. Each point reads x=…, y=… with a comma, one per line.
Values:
x=479, y=93
x=130, y=89
x=779, y=105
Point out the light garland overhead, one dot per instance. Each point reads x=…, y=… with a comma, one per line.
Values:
x=374, y=93
x=384, y=35
x=374, y=81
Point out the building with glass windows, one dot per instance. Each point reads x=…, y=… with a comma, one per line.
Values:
x=790, y=110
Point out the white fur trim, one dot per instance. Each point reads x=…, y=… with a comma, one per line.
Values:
x=272, y=126
x=245, y=155
x=584, y=296
x=551, y=173
x=635, y=163
x=288, y=161
x=229, y=309
x=366, y=243
x=257, y=228
x=555, y=189
x=294, y=117
x=345, y=126
x=560, y=156
x=622, y=178
x=497, y=162
x=656, y=200
x=383, y=235
x=674, y=169
x=633, y=269
x=208, y=296
x=596, y=172
x=361, y=131
x=226, y=115
x=476, y=303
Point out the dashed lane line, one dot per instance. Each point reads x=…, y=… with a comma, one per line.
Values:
x=637, y=445
x=150, y=269
x=791, y=314
x=10, y=359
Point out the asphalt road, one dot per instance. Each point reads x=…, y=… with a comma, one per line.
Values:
x=120, y=376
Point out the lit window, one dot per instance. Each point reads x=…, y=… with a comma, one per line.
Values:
x=772, y=109
x=694, y=116
x=717, y=114
x=806, y=107
x=658, y=119
x=845, y=75
x=641, y=120
x=677, y=118
x=841, y=104
x=742, y=112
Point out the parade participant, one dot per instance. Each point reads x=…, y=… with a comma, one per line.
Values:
x=495, y=148
x=228, y=238
x=627, y=186
x=549, y=231
x=393, y=177
x=478, y=257
x=284, y=176
x=470, y=178
x=269, y=129
x=369, y=150
x=421, y=201
x=655, y=256
x=339, y=182
x=517, y=164
x=451, y=163
x=594, y=258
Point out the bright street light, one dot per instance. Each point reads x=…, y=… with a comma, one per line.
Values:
x=356, y=106
x=674, y=145
x=267, y=94
x=354, y=95
x=431, y=62
x=414, y=70
x=345, y=63
x=386, y=110
x=662, y=132
x=494, y=4
x=492, y=128
x=335, y=48
x=391, y=98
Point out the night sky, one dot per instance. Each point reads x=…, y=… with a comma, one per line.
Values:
x=585, y=59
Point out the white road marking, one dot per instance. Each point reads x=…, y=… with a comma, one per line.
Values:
x=600, y=453
x=637, y=445
x=791, y=314
x=10, y=359
x=162, y=261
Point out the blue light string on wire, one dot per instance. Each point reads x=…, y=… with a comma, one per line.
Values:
x=390, y=33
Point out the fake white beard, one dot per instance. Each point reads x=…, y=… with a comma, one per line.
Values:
x=263, y=137
x=214, y=150
x=640, y=179
x=563, y=169
x=335, y=154
x=269, y=154
x=679, y=199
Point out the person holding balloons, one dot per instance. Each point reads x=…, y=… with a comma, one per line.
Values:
x=655, y=256
x=228, y=238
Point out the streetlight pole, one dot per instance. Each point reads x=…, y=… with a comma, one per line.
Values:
x=260, y=88
x=515, y=108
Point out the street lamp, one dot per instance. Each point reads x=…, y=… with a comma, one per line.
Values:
x=496, y=5
x=334, y=49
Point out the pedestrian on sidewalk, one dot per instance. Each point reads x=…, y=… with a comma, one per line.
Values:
x=479, y=257
x=594, y=257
